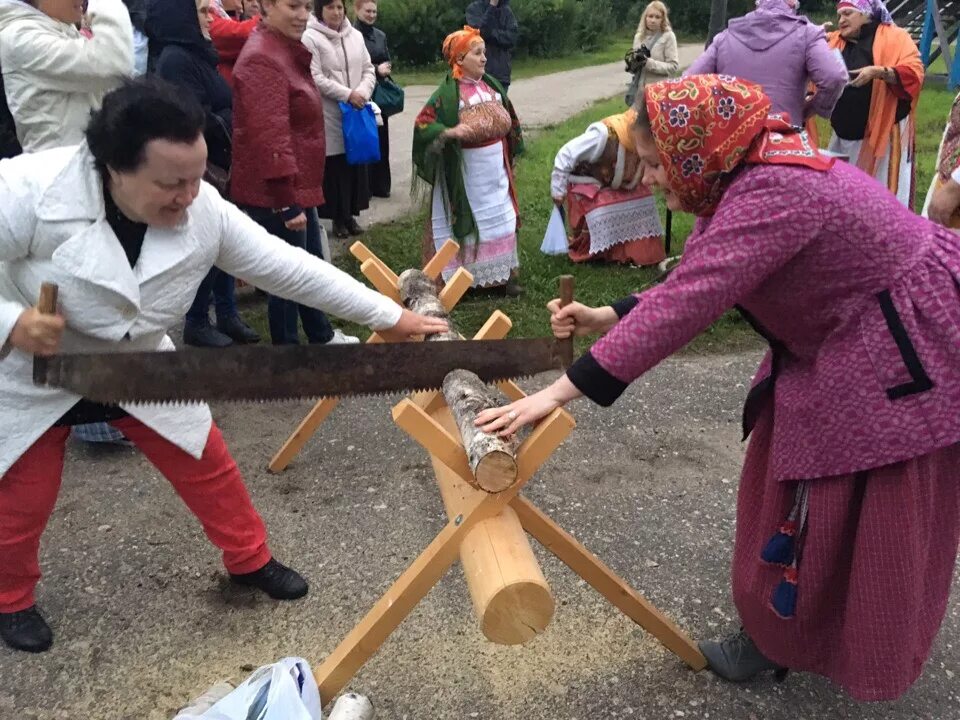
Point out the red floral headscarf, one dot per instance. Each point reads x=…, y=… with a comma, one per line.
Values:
x=705, y=126
x=457, y=44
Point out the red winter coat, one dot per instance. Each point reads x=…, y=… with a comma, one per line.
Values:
x=229, y=36
x=278, y=134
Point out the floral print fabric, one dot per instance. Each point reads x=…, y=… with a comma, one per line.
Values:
x=705, y=126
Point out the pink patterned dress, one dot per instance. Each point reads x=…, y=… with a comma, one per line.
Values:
x=856, y=407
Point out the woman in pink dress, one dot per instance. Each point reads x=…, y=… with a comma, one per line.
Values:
x=848, y=517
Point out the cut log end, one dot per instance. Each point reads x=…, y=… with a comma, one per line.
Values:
x=518, y=613
x=496, y=471
x=491, y=458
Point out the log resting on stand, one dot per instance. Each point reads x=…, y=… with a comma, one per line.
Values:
x=418, y=293
x=492, y=459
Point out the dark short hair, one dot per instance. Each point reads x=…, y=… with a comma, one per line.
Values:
x=323, y=3
x=141, y=110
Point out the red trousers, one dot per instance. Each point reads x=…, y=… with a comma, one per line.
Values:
x=211, y=487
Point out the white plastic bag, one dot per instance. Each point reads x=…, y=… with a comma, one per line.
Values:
x=285, y=690
x=555, y=239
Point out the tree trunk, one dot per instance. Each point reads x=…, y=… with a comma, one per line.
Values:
x=418, y=293
x=718, y=19
x=492, y=460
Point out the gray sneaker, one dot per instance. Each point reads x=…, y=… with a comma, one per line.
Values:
x=738, y=659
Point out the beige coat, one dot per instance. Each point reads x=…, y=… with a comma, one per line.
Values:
x=664, y=59
x=53, y=228
x=340, y=64
x=53, y=76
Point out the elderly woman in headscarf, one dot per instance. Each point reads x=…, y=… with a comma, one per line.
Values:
x=874, y=119
x=464, y=144
x=613, y=216
x=848, y=517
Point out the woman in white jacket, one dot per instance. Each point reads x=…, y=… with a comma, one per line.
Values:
x=343, y=72
x=52, y=75
x=127, y=229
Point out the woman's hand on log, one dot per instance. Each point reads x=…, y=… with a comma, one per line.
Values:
x=506, y=421
x=411, y=324
x=579, y=319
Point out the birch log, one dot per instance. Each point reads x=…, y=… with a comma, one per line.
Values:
x=492, y=460
x=510, y=594
x=418, y=293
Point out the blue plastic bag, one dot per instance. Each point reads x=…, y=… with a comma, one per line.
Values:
x=360, y=138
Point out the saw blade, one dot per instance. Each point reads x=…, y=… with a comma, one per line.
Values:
x=292, y=372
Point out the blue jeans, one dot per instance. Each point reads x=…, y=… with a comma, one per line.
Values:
x=222, y=287
x=282, y=314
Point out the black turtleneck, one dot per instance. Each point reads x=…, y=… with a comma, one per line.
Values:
x=852, y=111
x=130, y=234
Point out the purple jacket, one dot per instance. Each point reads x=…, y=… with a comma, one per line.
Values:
x=860, y=301
x=782, y=52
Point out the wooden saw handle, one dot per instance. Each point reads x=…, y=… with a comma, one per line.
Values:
x=48, y=306
x=566, y=297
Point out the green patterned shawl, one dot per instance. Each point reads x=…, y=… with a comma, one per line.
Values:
x=442, y=111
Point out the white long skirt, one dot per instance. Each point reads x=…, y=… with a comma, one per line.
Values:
x=902, y=185
x=491, y=253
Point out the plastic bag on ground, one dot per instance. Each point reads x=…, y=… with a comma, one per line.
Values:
x=555, y=239
x=284, y=690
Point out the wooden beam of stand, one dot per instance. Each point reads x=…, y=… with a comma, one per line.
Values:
x=543, y=442
x=308, y=427
x=433, y=437
x=361, y=252
x=379, y=275
x=455, y=289
x=418, y=579
x=605, y=581
x=439, y=261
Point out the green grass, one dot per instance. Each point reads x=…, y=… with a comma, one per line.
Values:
x=524, y=67
x=398, y=243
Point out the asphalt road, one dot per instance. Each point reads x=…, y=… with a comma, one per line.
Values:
x=144, y=618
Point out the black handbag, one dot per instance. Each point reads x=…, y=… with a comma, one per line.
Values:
x=388, y=96
x=219, y=154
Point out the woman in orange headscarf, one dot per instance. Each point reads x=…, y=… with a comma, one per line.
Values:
x=873, y=122
x=464, y=143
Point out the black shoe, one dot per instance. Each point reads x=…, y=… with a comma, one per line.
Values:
x=353, y=227
x=512, y=289
x=204, y=335
x=237, y=330
x=276, y=580
x=26, y=630
x=340, y=231
x=738, y=659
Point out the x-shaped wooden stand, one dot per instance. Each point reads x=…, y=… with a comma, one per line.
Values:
x=425, y=417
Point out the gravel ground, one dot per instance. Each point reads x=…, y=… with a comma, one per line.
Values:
x=144, y=619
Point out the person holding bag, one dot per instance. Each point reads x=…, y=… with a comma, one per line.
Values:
x=343, y=72
x=386, y=94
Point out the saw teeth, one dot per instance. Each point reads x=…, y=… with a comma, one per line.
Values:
x=184, y=402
